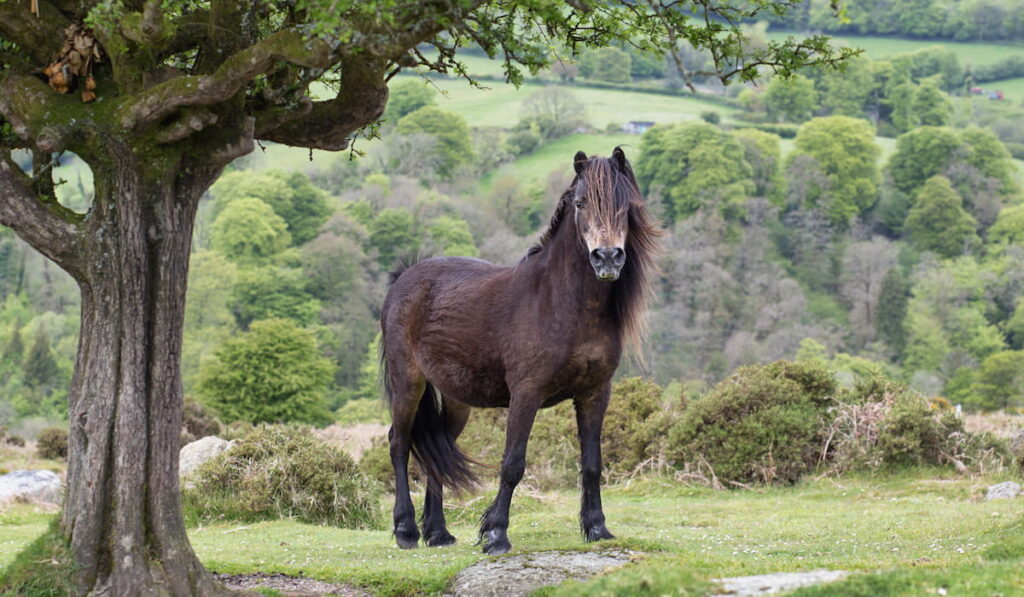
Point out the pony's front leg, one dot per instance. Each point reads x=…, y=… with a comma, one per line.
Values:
x=494, y=524
x=589, y=419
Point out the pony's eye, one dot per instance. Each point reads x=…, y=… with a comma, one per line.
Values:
x=579, y=205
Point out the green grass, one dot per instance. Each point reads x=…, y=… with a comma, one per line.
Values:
x=499, y=104
x=557, y=155
x=1013, y=89
x=879, y=48
x=919, y=531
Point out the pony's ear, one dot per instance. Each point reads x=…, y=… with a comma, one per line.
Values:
x=579, y=161
x=619, y=159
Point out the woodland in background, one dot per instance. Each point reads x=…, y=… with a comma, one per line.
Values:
x=910, y=266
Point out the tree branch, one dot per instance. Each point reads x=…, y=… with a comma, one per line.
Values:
x=50, y=228
x=327, y=124
x=39, y=36
x=152, y=105
x=43, y=119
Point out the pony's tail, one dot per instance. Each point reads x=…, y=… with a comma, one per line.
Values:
x=433, y=445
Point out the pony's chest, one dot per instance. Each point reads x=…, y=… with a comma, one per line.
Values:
x=586, y=367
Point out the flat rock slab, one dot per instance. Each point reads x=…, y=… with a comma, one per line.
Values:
x=293, y=586
x=513, y=576
x=768, y=584
x=1003, y=491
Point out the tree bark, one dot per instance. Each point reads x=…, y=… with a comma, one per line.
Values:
x=122, y=513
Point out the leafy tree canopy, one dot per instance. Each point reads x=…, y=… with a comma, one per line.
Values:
x=845, y=150
x=450, y=130
x=938, y=221
x=248, y=230
x=405, y=97
x=695, y=164
x=271, y=374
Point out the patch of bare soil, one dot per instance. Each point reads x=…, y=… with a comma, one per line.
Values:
x=354, y=439
x=292, y=586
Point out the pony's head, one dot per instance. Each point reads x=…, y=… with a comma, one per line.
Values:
x=602, y=194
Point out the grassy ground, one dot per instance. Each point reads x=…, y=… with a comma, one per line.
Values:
x=499, y=104
x=922, y=531
x=557, y=155
x=878, y=48
x=1013, y=89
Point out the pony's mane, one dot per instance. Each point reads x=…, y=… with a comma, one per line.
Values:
x=620, y=192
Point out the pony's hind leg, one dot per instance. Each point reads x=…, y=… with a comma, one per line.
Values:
x=435, y=531
x=404, y=395
x=589, y=419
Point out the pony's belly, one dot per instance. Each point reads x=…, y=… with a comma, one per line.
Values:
x=473, y=388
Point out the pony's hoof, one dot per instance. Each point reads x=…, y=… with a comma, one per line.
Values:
x=442, y=539
x=407, y=538
x=497, y=543
x=598, y=533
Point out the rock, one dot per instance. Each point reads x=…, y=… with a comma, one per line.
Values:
x=31, y=486
x=193, y=455
x=767, y=584
x=1003, y=491
x=517, y=575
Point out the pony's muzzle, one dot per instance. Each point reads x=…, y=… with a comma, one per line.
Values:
x=608, y=262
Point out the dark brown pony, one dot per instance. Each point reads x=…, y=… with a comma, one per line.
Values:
x=461, y=333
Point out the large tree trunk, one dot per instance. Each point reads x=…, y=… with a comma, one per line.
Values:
x=122, y=513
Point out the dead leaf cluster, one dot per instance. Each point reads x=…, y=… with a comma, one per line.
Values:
x=75, y=61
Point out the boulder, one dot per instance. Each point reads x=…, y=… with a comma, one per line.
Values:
x=194, y=454
x=520, y=575
x=1003, y=491
x=31, y=486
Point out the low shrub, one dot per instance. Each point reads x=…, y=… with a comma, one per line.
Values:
x=633, y=435
x=15, y=440
x=375, y=463
x=883, y=424
x=763, y=424
x=277, y=471
x=52, y=443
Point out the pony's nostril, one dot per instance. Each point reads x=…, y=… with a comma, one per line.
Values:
x=597, y=255
x=618, y=255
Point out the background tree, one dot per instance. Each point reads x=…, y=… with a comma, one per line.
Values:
x=999, y=381
x=845, y=151
x=450, y=131
x=181, y=89
x=405, y=97
x=790, y=99
x=938, y=221
x=694, y=164
x=248, y=231
x=271, y=374
x=606, y=64
x=555, y=111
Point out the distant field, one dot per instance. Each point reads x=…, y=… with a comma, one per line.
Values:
x=499, y=105
x=1012, y=88
x=884, y=47
x=556, y=155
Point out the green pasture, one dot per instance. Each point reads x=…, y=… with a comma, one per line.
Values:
x=905, y=535
x=878, y=48
x=499, y=104
x=557, y=156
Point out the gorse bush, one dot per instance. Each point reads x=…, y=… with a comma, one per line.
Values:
x=761, y=425
x=883, y=424
x=52, y=443
x=277, y=471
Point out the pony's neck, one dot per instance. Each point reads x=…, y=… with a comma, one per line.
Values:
x=565, y=269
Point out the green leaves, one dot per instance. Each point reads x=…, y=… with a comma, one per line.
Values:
x=273, y=373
